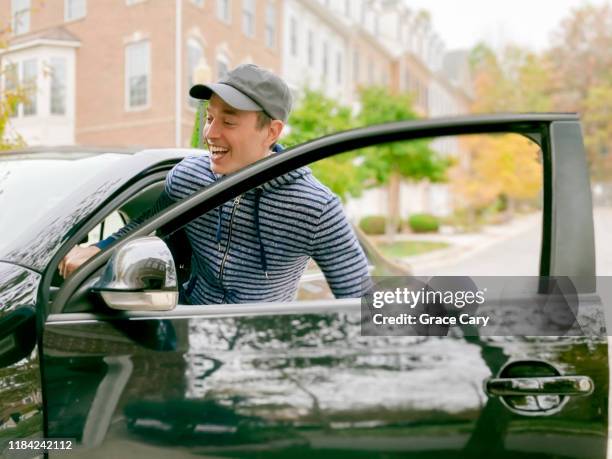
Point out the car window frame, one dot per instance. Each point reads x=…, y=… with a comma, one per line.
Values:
x=536, y=127
x=151, y=177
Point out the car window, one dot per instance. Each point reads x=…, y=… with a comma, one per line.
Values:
x=114, y=222
x=136, y=205
x=460, y=205
x=141, y=199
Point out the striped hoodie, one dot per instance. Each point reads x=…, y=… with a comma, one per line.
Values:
x=255, y=247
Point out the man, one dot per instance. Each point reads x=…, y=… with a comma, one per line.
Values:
x=256, y=247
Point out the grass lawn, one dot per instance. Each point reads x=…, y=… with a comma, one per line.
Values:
x=403, y=249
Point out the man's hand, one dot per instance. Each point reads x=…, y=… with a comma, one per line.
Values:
x=75, y=258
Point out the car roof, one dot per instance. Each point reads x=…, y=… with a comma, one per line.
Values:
x=36, y=244
x=71, y=149
x=94, y=150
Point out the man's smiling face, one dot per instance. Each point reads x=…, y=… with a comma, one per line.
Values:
x=233, y=138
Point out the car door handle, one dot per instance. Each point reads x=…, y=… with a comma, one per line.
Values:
x=547, y=385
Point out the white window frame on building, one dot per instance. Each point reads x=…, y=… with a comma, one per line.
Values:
x=222, y=66
x=20, y=15
x=407, y=81
x=22, y=79
x=10, y=81
x=310, y=48
x=293, y=36
x=270, y=29
x=74, y=9
x=325, y=59
x=57, y=92
x=339, y=59
x=356, y=66
x=224, y=10
x=29, y=77
x=49, y=64
x=198, y=3
x=248, y=18
x=195, y=55
x=143, y=71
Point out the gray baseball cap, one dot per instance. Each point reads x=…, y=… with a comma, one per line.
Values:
x=249, y=87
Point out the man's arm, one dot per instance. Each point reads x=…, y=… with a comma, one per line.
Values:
x=79, y=255
x=162, y=202
x=336, y=250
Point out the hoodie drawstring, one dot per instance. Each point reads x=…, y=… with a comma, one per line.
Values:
x=262, y=250
x=219, y=226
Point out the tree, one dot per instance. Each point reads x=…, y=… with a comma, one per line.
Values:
x=581, y=54
x=315, y=116
x=510, y=80
x=598, y=130
x=501, y=166
x=13, y=94
x=581, y=58
x=197, y=135
x=389, y=163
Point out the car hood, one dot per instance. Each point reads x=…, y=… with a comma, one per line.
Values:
x=18, y=286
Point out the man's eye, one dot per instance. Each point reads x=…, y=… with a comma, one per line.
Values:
x=229, y=123
x=209, y=119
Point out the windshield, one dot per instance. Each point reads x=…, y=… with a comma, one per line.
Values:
x=31, y=184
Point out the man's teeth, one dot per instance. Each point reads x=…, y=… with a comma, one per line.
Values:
x=218, y=150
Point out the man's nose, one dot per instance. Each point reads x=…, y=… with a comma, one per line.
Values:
x=211, y=130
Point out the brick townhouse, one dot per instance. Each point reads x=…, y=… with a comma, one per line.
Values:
x=117, y=72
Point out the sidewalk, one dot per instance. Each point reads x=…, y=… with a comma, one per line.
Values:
x=465, y=245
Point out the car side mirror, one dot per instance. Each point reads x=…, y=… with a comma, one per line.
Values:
x=17, y=335
x=140, y=276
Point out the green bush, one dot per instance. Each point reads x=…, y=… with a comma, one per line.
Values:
x=373, y=225
x=423, y=223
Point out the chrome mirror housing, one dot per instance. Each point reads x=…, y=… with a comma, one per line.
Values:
x=140, y=276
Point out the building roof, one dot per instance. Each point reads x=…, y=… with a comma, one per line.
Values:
x=52, y=34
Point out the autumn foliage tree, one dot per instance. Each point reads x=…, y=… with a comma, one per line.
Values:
x=598, y=130
x=12, y=95
x=581, y=64
x=501, y=166
x=510, y=80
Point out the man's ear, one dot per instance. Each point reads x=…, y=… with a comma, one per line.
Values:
x=274, y=131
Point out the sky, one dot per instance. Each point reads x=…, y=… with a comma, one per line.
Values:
x=529, y=23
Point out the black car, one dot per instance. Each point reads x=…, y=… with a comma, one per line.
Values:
x=110, y=363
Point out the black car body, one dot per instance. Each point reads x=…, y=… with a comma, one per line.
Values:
x=286, y=379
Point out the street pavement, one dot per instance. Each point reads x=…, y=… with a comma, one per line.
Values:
x=504, y=250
